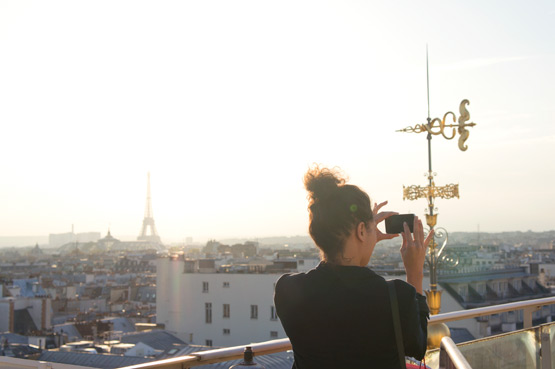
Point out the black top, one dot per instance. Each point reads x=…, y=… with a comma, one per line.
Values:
x=340, y=317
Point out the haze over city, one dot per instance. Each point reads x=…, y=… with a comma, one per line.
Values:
x=228, y=103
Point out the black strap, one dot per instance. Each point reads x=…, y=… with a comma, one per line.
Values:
x=396, y=322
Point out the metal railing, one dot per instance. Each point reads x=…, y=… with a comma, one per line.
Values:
x=529, y=307
x=269, y=347
x=280, y=345
x=450, y=356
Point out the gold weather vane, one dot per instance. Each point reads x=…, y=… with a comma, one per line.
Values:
x=435, y=257
x=436, y=127
x=440, y=124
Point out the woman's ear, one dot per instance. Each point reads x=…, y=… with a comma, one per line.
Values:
x=361, y=231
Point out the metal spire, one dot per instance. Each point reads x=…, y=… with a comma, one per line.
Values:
x=428, y=82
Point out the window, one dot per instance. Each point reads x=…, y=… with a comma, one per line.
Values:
x=301, y=262
x=273, y=314
x=254, y=311
x=205, y=287
x=226, y=311
x=226, y=331
x=226, y=284
x=209, y=343
x=208, y=313
x=274, y=334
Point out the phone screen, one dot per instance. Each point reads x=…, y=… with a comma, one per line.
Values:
x=394, y=224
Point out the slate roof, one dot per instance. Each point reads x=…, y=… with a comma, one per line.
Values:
x=26, y=287
x=459, y=335
x=23, y=322
x=14, y=338
x=102, y=361
x=157, y=339
x=469, y=278
x=121, y=324
x=69, y=329
x=280, y=360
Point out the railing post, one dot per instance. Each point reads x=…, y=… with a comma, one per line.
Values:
x=444, y=361
x=527, y=316
x=545, y=350
x=450, y=357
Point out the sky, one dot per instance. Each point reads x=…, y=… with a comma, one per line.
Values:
x=228, y=103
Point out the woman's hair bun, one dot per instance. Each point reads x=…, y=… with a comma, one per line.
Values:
x=322, y=182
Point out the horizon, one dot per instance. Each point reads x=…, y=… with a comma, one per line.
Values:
x=228, y=104
x=200, y=242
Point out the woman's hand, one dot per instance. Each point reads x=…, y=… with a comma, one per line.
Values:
x=413, y=253
x=379, y=217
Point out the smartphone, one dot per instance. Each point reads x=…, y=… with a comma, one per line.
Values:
x=394, y=224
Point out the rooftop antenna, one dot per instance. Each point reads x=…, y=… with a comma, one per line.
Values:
x=428, y=82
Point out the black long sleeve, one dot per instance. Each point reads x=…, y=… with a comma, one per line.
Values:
x=340, y=317
x=414, y=313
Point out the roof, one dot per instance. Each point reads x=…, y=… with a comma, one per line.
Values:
x=14, y=338
x=459, y=335
x=92, y=360
x=157, y=339
x=468, y=278
x=69, y=329
x=23, y=322
x=280, y=360
x=121, y=324
x=26, y=287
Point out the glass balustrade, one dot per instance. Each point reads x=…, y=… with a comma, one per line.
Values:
x=515, y=350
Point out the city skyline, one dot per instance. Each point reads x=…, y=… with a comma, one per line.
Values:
x=228, y=104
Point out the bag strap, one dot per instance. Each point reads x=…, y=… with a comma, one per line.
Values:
x=397, y=322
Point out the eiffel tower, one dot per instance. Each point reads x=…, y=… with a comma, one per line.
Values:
x=148, y=221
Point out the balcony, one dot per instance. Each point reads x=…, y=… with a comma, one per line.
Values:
x=532, y=347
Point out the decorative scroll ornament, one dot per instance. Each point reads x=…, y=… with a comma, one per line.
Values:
x=448, y=259
x=418, y=192
x=437, y=126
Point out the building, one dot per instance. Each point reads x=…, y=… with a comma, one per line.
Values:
x=475, y=287
x=224, y=306
x=24, y=315
x=59, y=239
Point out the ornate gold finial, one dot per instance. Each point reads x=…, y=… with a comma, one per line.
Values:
x=437, y=126
x=418, y=192
x=431, y=220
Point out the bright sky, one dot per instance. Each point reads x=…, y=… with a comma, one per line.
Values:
x=227, y=103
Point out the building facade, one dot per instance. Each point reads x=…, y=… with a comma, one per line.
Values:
x=203, y=306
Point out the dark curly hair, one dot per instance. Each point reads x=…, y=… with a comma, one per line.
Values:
x=335, y=209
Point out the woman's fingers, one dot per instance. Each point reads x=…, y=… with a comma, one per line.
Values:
x=404, y=244
x=428, y=239
x=377, y=206
x=388, y=236
x=406, y=234
x=418, y=230
x=383, y=215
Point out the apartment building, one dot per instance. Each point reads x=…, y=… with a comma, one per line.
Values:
x=220, y=306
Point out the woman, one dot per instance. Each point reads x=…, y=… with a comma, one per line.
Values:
x=338, y=315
